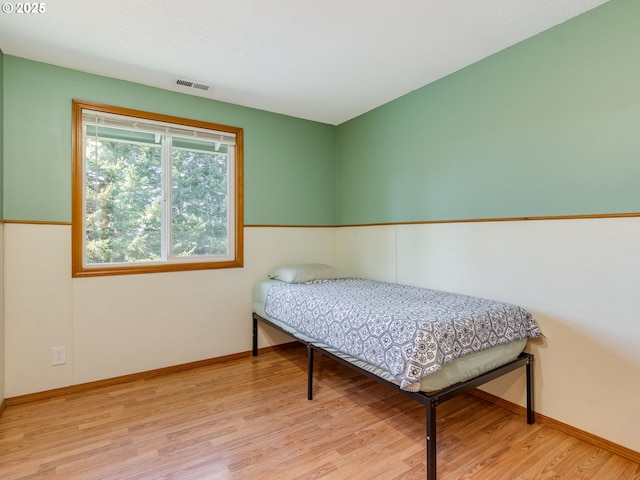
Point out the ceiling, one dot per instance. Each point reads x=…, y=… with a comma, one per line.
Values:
x=322, y=60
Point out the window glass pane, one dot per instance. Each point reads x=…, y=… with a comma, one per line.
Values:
x=122, y=199
x=200, y=200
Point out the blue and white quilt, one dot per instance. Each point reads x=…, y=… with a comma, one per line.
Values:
x=409, y=331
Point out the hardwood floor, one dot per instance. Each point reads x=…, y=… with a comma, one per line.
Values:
x=249, y=419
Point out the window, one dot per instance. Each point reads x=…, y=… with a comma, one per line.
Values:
x=153, y=193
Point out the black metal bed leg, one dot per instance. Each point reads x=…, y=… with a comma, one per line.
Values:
x=531, y=417
x=310, y=372
x=254, y=350
x=431, y=440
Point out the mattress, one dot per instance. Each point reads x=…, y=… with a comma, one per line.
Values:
x=455, y=371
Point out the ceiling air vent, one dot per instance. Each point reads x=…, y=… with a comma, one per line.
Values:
x=192, y=86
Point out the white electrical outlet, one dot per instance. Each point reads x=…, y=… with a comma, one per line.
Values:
x=59, y=355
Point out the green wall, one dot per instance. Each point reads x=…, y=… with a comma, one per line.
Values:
x=1, y=228
x=289, y=163
x=1, y=135
x=550, y=126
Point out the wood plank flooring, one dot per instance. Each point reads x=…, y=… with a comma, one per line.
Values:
x=249, y=419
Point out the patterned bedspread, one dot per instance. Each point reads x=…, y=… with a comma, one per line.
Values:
x=409, y=331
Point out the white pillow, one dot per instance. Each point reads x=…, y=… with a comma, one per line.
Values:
x=305, y=272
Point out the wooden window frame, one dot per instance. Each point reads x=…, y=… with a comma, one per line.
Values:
x=78, y=268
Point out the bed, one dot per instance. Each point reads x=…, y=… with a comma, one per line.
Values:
x=426, y=344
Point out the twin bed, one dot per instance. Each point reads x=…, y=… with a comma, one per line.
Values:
x=427, y=344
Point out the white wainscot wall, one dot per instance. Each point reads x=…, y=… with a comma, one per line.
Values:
x=120, y=325
x=2, y=396
x=580, y=278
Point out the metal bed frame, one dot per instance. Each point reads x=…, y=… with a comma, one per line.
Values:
x=429, y=400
